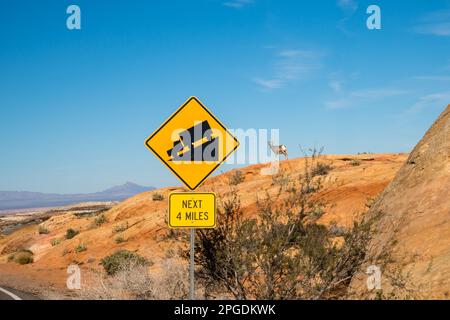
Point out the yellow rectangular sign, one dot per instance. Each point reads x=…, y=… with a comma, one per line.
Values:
x=192, y=210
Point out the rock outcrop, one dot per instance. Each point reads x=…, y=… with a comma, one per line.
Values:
x=411, y=244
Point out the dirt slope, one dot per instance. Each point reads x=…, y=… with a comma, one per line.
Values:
x=348, y=188
x=415, y=226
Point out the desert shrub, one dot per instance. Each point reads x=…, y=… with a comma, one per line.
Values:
x=66, y=251
x=43, y=230
x=119, y=240
x=170, y=253
x=173, y=283
x=22, y=256
x=80, y=248
x=157, y=197
x=134, y=282
x=55, y=242
x=130, y=282
x=98, y=221
x=70, y=233
x=236, y=178
x=283, y=252
x=121, y=227
x=281, y=179
x=321, y=169
x=121, y=259
x=355, y=162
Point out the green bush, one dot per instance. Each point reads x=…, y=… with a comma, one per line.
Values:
x=121, y=227
x=98, y=221
x=119, y=240
x=157, y=197
x=122, y=259
x=355, y=162
x=22, y=256
x=70, y=233
x=80, y=248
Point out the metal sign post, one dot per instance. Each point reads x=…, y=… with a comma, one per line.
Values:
x=191, y=267
x=192, y=210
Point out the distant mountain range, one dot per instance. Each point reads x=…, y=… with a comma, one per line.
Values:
x=25, y=199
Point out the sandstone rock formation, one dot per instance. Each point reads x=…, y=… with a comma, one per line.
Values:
x=412, y=240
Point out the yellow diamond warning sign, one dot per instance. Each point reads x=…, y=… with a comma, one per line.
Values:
x=192, y=210
x=192, y=143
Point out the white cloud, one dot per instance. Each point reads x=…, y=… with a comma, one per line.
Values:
x=269, y=84
x=365, y=96
x=347, y=5
x=435, y=23
x=237, y=4
x=290, y=65
x=336, y=85
x=439, y=100
x=437, y=29
x=338, y=80
x=379, y=93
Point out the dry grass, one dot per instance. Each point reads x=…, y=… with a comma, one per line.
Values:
x=134, y=282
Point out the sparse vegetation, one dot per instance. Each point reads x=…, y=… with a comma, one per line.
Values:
x=121, y=227
x=157, y=197
x=22, y=256
x=170, y=253
x=71, y=233
x=80, y=248
x=98, y=221
x=236, y=178
x=43, y=230
x=133, y=281
x=355, y=162
x=119, y=239
x=321, y=169
x=55, y=241
x=280, y=179
x=121, y=259
x=283, y=253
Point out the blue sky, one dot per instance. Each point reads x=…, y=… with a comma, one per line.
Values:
x=76, y=106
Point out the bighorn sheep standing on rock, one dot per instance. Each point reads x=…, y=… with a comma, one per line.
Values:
x=281, y=149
